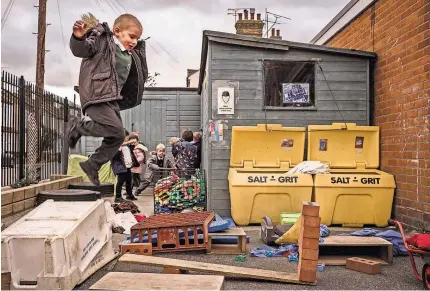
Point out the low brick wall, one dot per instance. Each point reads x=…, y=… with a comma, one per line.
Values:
x=17, y=200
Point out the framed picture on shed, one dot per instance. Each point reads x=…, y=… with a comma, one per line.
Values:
x=296, y=93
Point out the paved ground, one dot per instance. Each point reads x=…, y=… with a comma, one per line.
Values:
x=395, y=277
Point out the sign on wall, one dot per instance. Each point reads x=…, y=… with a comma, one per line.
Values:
x=226, y=100
x=296, y=92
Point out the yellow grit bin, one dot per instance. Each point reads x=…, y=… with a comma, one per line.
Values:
x=355, y=193
x=259, y=186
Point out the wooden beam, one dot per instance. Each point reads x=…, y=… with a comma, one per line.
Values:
x=225, y=270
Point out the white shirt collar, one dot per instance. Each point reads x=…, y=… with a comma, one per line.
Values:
x=119, y=44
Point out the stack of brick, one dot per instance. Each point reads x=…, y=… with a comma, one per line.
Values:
x=309, y=242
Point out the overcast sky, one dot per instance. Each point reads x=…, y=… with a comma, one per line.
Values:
x=174, y=27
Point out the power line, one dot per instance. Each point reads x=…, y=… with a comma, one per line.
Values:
x=6, y=13
x=166, y=50
x=62, y=38
x=99, y=5
x=119, y=3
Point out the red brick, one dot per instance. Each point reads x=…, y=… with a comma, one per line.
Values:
x=310, y=209
x=310, y=244
x=307, y=254
x=307, y=275
x=363, y=265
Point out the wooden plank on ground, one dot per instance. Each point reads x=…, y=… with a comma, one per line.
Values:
x=144, y=281
x=335, y=240
x=336, y=249
x=234, y=231
x=214, y=268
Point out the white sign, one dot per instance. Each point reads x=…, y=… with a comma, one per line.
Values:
x=226, y=100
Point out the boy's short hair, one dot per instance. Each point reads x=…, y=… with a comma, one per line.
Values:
x=187, y=135
x=124, y=20
x=160, y=147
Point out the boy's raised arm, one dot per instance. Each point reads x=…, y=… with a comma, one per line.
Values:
x=81, y=46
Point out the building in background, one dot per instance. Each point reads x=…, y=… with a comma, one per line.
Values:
x=193, y=78
x=250, y=71
x=398, y=31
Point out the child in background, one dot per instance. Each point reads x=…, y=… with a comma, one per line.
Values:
x=140, y=153
x=154, y=172
x=122, y=162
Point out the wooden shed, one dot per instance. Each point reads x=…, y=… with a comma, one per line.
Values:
x=248, y=80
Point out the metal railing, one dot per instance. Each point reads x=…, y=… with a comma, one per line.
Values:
x=32, y=130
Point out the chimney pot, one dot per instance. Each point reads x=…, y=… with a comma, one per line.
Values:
x=240, y=16
x=258, y=16
x=245, y=12
x=278, y=33
x=273, y=32
x=252, y=16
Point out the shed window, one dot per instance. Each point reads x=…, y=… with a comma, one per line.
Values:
x=289, y=84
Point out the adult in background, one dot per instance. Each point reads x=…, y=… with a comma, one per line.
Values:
x=197, y=138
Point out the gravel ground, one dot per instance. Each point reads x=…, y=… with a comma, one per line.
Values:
x=395, y=277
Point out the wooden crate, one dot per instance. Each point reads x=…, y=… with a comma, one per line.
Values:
x=173, y=231
x=239, y=248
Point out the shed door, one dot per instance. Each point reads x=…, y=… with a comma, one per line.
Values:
x=149, y=119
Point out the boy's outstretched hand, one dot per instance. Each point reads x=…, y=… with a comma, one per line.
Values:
x=79, y=28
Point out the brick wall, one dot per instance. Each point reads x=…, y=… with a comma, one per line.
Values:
x=399, y=32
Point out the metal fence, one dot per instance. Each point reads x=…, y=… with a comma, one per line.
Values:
x=32, y=129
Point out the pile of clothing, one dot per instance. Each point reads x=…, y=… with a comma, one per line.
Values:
x=173, y=194
x=127, y=206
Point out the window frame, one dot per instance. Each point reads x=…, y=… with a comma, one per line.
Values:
x=313, y=107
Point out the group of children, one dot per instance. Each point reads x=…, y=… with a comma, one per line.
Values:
x=112, y=77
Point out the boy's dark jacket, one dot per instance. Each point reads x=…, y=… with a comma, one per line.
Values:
x=117, y=161
x=98, y=76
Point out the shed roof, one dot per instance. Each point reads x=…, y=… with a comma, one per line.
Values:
x=267, y=43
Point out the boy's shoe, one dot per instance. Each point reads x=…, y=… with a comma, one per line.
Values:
x=92, y=174
x=130, y=197
x=119, y=200
x=73, y=136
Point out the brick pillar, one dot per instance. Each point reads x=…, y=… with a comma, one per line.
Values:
x=309, y=242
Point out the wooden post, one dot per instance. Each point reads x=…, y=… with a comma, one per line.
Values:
x=40, y=79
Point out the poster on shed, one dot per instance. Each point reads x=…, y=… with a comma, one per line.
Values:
x=226, y=100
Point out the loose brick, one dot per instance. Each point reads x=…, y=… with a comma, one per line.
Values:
x=307, y=254
x=310, y=243
x=310, y=209
x=307, y=275
x=309, y=231
x=363, y=265
x=311, y=221
x=174, y=271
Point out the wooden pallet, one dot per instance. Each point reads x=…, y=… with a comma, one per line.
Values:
x=335, y=250
x=142, y=281
x=225, y=270
x=239, y=248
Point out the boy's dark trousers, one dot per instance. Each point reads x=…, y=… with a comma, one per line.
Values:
x=127, y=178
x=105, y=122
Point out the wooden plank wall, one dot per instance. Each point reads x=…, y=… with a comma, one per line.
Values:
x=163, y=113
x=241, y=68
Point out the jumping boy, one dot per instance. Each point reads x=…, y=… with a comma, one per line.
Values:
x=111, y=78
